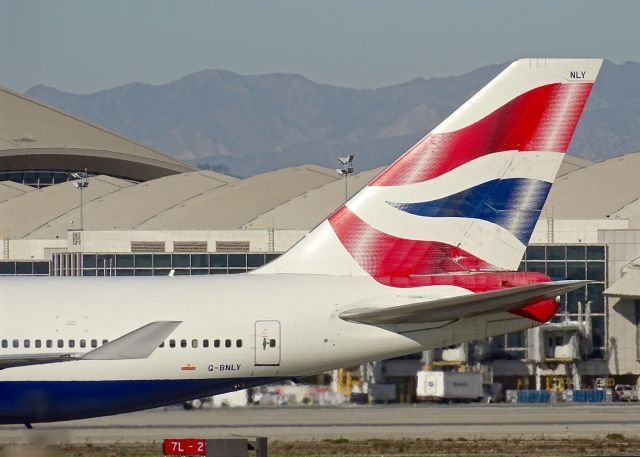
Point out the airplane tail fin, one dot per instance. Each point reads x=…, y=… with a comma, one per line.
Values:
x=468, y=195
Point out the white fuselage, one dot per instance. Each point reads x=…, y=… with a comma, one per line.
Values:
x=311, y=338
x=237, y=330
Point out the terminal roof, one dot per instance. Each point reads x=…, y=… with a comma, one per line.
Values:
x=35, y=136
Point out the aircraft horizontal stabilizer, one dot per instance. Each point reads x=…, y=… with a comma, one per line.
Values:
x=138, y=344
x=452, y=308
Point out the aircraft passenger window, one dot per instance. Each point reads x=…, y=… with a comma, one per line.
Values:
x=205, y=343
x=72, y=343
x=238, y=343
x=83, y=343
x=104, y=342
x=49, y=343
x=38, y=343
x=60, y=343
x=161, y=345
x=183, y=343
x=194, y=343
x=272, y=343
x=227, y=343
x=94, y=343
x=172, y=343
x=16, y=343
x=27, y=343
x=5, y=343
x=216, y=343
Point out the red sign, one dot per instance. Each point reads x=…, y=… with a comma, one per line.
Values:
x=184, y=446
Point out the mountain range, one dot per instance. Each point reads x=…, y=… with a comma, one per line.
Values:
x=247, y=124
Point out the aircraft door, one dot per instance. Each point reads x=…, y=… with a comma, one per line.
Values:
x=267, y=343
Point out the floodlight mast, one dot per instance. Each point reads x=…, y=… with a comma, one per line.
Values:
x=81, y=185
x=346, y=170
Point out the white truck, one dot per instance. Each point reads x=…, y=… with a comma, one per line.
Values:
x=442, y=386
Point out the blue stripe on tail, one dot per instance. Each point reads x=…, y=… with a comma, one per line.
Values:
x=514, y=204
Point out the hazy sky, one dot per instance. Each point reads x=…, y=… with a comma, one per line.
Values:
x=84, y=45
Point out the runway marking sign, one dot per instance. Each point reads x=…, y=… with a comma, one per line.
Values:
x=184, y=446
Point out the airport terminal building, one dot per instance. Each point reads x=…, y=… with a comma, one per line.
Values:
x=144, y=213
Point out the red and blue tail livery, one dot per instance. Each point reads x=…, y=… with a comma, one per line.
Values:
x=467, y=196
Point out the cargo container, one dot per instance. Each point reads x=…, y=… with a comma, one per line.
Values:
x=448, y=386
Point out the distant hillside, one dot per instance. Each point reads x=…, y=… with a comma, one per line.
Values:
x=250, y=124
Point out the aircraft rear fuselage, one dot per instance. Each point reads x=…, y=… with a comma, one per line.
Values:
x=237, y=331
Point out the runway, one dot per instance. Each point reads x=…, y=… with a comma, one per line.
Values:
x=352, y=422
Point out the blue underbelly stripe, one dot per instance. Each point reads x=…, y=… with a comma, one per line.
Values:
x=49, y=401
x=514, y=204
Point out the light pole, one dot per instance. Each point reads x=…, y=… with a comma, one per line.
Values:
x=81, y=185
x=346, y=170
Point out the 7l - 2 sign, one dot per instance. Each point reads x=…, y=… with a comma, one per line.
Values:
x=184, y=446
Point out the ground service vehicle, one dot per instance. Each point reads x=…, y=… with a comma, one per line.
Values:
x=442, y=386
x=625, y=392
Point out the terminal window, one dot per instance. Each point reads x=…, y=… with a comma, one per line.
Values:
x=159, y=264
x=579, y=261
